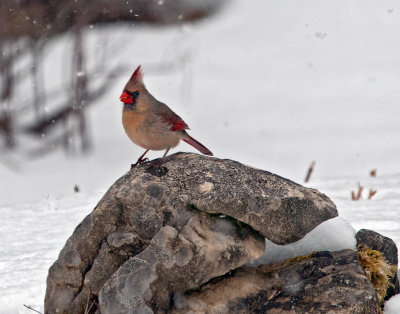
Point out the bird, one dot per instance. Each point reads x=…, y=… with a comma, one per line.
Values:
x=150, y=123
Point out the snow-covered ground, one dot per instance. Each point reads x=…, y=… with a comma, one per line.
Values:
x=271, y=84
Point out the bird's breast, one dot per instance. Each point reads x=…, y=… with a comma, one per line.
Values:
x=147, y=132
x=133, y=123
x=132, y=119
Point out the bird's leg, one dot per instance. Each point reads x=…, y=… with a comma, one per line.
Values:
x=140, y=160
x=161, y=161
x=165, y=154
x=156, y=168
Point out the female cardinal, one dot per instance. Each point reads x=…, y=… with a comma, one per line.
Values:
x=150, y=123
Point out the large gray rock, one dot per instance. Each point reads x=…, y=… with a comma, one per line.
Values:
x=325, y=282
x=146, y=202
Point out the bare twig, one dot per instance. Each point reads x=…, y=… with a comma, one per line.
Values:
x=6, y=128
x=7, y=88
x=36, y=47
x=88, y=307
x=66, y=109
x=28, y=307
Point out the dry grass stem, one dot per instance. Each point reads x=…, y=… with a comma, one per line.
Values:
x=309, y=172
x=371, y=193
x=357, y=197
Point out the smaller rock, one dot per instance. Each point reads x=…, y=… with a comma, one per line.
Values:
x=324, y=282
x=387, y=247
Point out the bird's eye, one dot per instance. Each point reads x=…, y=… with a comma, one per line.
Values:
x=135, y=94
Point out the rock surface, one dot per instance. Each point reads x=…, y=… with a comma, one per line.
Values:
x=147, y=205
x=174, y=262
x=387, y=247
x=325, y=282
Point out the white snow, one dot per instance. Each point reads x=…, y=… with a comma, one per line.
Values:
x=32, y=235
x=332, y=235
x=392, y=306
x=271, y=84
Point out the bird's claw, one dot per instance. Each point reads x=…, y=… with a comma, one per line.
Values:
x=140, y=161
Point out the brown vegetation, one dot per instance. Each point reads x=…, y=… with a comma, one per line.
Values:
x=378, y=271
x=357, y=196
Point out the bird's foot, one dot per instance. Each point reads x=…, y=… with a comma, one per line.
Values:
x=140, y=161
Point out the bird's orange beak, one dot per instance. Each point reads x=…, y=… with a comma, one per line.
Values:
x=126, y=98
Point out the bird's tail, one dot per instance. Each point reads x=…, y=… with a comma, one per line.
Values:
x=200, y=147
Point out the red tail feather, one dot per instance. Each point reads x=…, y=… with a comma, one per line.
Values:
x=200, y=147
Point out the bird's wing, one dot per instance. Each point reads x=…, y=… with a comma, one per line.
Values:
x=174, y=121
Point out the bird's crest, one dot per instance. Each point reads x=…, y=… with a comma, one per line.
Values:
x=137, y=76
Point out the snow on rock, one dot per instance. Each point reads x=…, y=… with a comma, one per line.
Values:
x=332, y=235
x=392, y=306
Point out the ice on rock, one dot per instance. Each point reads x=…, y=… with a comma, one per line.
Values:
x=332, y=235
